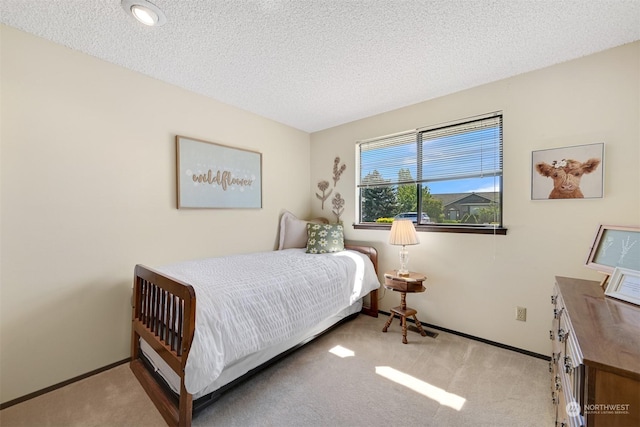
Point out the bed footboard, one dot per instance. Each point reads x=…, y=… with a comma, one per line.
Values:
x=164, y=311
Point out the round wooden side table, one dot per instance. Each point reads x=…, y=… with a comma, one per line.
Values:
x=404, y=285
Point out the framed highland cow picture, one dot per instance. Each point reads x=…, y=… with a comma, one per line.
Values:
x=568, y=173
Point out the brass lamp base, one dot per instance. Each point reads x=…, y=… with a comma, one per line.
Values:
x=407, y=274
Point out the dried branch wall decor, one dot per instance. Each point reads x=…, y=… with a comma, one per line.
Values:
x=337, y=171
x=338, y=206
x=323, y=186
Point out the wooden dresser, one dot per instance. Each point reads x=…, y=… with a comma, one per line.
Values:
x=595, y=360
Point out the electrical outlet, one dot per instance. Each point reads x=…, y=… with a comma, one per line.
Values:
x=521, y=314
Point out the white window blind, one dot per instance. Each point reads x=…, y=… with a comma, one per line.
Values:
x=471, y=149
x=466, y=150
x=387, y=156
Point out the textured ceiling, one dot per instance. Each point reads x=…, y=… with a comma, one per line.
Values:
x=317, y=64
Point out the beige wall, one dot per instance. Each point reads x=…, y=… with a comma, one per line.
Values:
x=88, y=191
x=476, y=281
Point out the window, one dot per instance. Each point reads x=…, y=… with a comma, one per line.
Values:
x=446, y=177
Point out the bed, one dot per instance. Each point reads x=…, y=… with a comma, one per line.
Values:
x=259, y=308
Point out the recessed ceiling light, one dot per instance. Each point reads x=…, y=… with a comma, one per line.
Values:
x=145, y=12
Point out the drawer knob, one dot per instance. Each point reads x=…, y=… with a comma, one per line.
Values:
x=562, y=335
x=568, y=364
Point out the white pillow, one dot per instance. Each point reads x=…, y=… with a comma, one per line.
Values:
x=293, y=231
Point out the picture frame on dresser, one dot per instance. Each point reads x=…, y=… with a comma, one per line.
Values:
x=615, y=246
x=624, y=285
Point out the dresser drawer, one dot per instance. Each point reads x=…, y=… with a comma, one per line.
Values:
x=568, y=371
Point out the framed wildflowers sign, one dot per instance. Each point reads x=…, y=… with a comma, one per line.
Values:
x=568, y=173
x=211, y=175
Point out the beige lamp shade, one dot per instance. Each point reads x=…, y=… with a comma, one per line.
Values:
x=403, y=233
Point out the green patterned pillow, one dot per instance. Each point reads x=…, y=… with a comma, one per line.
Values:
x=325, y=238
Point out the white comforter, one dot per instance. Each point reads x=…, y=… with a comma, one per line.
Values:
x=246, y=303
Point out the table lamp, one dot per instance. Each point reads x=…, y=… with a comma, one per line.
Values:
x=403, y=233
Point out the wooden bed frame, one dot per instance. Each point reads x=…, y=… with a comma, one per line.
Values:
x=158, y=301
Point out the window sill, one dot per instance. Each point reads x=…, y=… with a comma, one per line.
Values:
x=468, y=229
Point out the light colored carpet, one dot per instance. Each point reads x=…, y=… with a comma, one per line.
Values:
x=446, y=381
